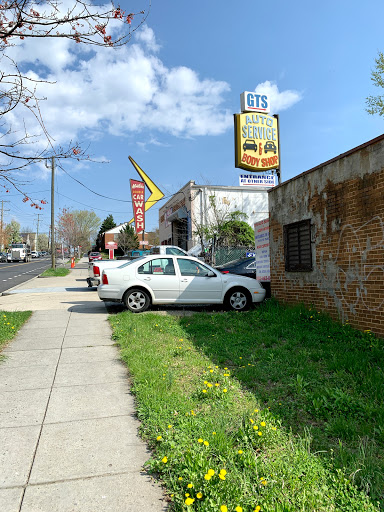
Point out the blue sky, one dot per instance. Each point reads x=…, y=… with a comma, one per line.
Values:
x=167, y=98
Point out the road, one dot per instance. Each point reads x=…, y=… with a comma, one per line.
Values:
x=12, y=274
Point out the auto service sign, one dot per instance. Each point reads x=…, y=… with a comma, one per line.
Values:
x=256, y=142
x=138, y=203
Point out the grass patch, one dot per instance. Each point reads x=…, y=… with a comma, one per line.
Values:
x=57, y=272
x=10, y=323
x=278, y=408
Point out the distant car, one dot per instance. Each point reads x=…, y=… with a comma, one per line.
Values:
x=94, y=256
x=171, y=279
x=270, y=146
x=242, y=267
x=35, y=254
x=3, y=257
x=250, y=144
x=9, y=256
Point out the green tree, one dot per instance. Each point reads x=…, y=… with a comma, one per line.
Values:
x=77, y=228
x=127, y=239
x=375, y=104
x=236, y=232
x=13, y=232
x=107, y=224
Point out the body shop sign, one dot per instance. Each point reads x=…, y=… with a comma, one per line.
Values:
x=138, y=203
x=256, y=142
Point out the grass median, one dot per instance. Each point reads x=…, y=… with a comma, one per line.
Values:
x=278, y=409
x=10, y=323
x=55, y=272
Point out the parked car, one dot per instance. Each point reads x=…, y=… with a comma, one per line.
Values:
x=171, y=279
x=3, y=257
x=35, y=254
x=168, y=249
x=243, y=267
x=94, y=256
x=9, y=256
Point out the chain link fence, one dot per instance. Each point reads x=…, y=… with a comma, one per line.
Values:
x=223, y=255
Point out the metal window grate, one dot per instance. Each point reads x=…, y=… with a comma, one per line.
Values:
x=297, y=246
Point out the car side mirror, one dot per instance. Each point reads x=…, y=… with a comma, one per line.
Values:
x=211, y=274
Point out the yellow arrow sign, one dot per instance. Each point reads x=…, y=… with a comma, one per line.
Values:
x=156, y=193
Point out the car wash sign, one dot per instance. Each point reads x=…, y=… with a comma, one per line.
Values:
x=138, y=203
x=256, y=135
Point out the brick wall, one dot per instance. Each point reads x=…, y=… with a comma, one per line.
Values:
x=344, y=198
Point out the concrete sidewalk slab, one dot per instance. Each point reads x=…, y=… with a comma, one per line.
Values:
x=10, y=499
x=89, y=401
x=31, y=377
x=87, y=448
x=116, y=493
x=42, y=357
x=16, y=455
x=89, y=354
x=23, y=407
x=101, y=372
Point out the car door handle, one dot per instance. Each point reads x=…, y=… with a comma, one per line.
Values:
x=184, y=280
x=146, y=279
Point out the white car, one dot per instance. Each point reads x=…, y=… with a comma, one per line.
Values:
x=35, y=254
x=174, y=279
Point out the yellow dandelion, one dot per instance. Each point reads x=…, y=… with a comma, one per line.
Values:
x=273, y=428
x=190, y=486
x=199, y=495
x=180, y=478
x=257, y=509
x=213, y=433
x=221, y=476
x=164, y=459
x=239, y=509
x=223, y=472
x=186, y=494
x=189, y=501
x=224, y=390
x=207, y=477
x=159, y=438
x=263, y=423
x=259, y=433
x=169, y=426
x=204, y=390
x=206, y=443
x=181, y=339
x=217, y=384
x=223, y=508
x=209, y=385
x=255, y=427
x=256, y=410
x=226, y=374
x=240, y=452
x=211, y=371
x=200, y=440
x=211, y=472
x=251, y=420
x=205, y=382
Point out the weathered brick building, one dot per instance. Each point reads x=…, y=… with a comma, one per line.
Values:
x=327, y=237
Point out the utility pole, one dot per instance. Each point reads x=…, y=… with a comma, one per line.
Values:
x=37, y=231
x=2, y=225
x=53, y=248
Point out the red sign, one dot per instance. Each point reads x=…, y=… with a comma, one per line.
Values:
x=138, y=203
x=111, y=245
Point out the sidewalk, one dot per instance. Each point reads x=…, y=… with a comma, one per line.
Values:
x=68, y=433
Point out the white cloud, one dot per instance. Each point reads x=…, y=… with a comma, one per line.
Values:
x=121, y=91
x=278, y=100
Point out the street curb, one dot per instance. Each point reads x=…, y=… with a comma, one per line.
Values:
x=4, y=294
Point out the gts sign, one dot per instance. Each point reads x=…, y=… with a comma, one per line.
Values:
x=252, y=102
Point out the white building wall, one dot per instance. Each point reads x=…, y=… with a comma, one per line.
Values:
x=251, y=201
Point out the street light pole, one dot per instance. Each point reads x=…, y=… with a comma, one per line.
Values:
x=53, y=248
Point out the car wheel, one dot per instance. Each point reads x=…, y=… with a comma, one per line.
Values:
x=137, y=300
x=238, y=299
